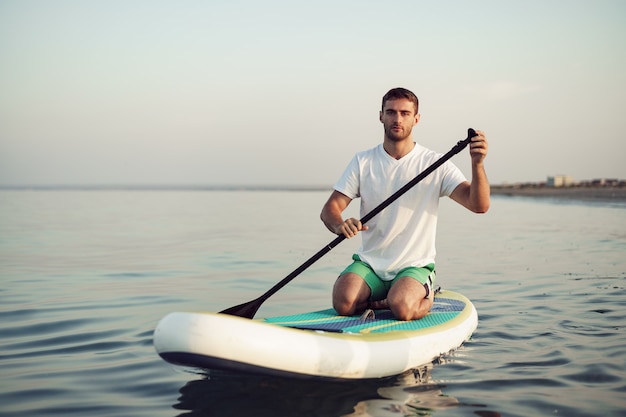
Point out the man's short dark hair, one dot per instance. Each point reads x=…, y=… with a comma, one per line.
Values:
x=400, y=93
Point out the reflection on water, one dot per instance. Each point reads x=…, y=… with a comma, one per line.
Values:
x=413, y=393
x=231, y=394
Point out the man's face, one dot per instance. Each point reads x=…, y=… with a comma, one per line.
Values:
x=398, y=118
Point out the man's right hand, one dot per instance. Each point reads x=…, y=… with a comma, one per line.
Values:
x=350, y=228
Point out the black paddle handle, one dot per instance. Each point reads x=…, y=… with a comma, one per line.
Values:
x=249, y=309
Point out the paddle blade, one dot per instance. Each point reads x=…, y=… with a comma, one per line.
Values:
x=245, y=310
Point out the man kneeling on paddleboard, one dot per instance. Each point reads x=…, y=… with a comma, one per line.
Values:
x=395, y=266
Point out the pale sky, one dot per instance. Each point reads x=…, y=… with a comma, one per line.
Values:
x=285, y=92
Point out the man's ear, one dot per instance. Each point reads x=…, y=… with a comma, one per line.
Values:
x=417, y=119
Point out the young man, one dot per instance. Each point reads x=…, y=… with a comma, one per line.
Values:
x=395, y=265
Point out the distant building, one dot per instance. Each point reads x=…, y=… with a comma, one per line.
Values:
x=605, y=182
x=560, y=181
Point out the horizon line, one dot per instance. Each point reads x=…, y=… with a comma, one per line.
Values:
x=226, y=187
x=167, y=187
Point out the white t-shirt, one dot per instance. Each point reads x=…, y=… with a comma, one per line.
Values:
x=403, y=234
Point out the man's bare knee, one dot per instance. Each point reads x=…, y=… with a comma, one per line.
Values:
x=406, y=313
x=350, y=294
x=344, y=308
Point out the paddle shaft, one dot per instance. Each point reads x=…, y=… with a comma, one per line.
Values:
x=249, y=309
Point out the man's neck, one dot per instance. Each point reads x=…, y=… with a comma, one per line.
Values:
x=399, y=149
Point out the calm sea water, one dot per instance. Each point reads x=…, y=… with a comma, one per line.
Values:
x=86, y=275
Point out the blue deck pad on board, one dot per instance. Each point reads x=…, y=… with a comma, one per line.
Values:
x=444, y=309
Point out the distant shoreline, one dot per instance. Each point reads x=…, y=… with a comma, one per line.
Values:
x=586, y=193
x=578, y=192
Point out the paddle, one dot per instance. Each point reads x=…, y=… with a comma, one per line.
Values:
x=249, y=309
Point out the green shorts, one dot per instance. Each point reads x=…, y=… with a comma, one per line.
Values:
x=379, y=288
